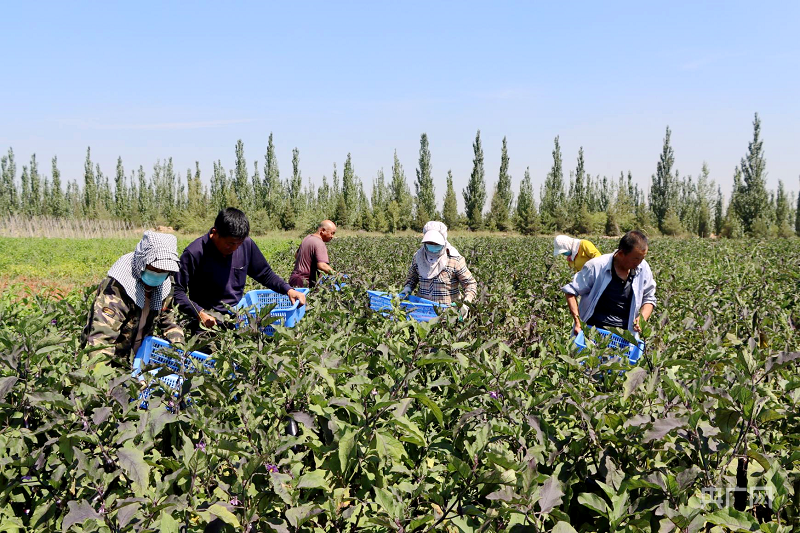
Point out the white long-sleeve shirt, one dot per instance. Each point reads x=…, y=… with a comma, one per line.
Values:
x=595, y=276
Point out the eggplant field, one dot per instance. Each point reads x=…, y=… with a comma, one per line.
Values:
x=362, y=420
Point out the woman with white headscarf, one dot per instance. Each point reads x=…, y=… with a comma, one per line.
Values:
x=577, y=251
x=439, y=271
x=134, y=299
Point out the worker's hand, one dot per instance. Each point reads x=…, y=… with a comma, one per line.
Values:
x=636, y=327
x=296, y=296
x=404, y=293
x=207, y=320
x=463, y=312
x=576, y=328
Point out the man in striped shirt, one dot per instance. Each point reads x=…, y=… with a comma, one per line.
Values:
x=439, y=270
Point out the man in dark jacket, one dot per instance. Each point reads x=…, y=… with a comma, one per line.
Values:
x=214, y=269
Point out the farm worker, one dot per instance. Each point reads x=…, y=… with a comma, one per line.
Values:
x=136, y=296
x=214, y=269
x=577, y=251
x=312, y=256
x=616, y=289
x=440, y=270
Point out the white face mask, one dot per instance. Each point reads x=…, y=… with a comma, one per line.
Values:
x=434, y=248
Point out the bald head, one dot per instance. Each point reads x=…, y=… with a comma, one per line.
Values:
x=326, y=230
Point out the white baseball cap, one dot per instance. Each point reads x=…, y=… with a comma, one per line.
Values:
x=434, y=237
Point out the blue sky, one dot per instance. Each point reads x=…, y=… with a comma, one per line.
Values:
x=187, y=80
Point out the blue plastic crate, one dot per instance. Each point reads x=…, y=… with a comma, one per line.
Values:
x=419, y=309
x=155, y=351
x=286, y=313
x=634, y=351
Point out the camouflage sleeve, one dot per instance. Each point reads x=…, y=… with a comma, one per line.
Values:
x=168, y=322
x=106, y=317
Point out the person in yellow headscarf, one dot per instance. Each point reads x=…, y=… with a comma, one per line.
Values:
x=577, y=251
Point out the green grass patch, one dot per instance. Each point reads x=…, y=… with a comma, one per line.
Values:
x=67, y=263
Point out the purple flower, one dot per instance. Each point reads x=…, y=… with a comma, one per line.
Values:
x=235, y=501
x=494, y=395
x=54, y=322
x=200, y=446
x=102, y=509
x=26, y=478
x=374, y=392
x=272, y=468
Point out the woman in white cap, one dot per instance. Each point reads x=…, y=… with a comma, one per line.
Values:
x=577, y=251
x=134, y=298
x=439, y=271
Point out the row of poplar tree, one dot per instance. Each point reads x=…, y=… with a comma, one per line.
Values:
x=588, y=204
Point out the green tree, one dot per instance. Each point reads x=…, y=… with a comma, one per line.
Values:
x=705, y=189
x=797, y=216
x=194, y=193
x=719, y=211
x=8, y=189
x=781, y=206
x=145, y=199
x=379, y=201
x=526, y=218
x=783, y=213
x=450, y=205
x=624, y=207
x=296, y=185
x=503, y=197
x=662, y=189
x=105, y=199
x=25, y=192
x=271, y=189
x=219, y=187
x=551, y=206
x=35, y=200
x=57, y=203
x=475, y=193
x=578, y=193
x=324, y=199
x=74, y=199
x=753, y=201
x=292, y=201
x=349, y=192
x=257, y=185
x=120, y=191
x=400, y=194
x=164, y=191
x=340, y=214
x=363, y=217
x=89, y=187
x=241, y=182
x=426, y=194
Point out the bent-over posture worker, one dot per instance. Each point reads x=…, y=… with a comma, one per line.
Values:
x=312, y=256
x=615, y=289
x=136, y=297
x=214, y=269
x=577, y=251
x=439, y=270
